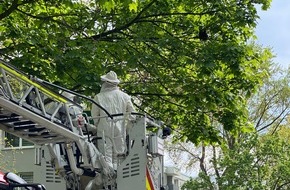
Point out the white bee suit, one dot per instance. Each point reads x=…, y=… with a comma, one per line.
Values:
x=115, y=102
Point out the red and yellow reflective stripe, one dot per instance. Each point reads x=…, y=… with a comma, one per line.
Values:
x=149, y=183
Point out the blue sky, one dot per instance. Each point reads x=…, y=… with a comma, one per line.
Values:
x=273, y=30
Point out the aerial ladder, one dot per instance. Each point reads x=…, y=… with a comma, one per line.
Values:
x=37, y=111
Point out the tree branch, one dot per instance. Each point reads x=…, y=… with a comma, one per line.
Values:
x=125, y=26
x=274, y=120
x=202, y=164
x=156, y=94
x=50, y=17
x=13, y=7
x=179, y=14
x=214, y=162
x=276, y=183
x=278, y=124
x=280, y=187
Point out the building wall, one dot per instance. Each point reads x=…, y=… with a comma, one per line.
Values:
x=173, y=178
x=24, y=165
x=24, y=162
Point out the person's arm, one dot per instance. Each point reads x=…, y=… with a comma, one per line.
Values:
x=95, y=112
x=92, y=128
x=130, y=106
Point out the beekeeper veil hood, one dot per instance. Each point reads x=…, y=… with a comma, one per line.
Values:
x=111, y=77
x=111, y=81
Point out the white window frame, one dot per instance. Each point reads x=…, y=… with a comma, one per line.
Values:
x=27, y=176
x=20, y=146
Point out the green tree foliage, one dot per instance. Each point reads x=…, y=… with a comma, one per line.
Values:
x=186, y=62
x=7, y=158
x=256, y=160
x=251, y=164
x=271, y=104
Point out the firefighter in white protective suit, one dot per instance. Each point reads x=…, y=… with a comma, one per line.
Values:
x=113, y=130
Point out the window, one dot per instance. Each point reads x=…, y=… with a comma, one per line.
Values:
x=13, y=141
x=27, y=176
x=176, y=184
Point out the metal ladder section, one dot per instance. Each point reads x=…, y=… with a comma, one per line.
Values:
x=33, y=112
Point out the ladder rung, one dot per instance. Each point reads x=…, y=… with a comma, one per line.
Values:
x=43, y=135
x=9, y=119
x=36, y=129
x=24, y=123
x=31, y=125
x=50, y=136
x=23, y=127
x=11, y=115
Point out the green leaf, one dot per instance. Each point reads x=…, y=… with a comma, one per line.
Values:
x=133, y=6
